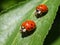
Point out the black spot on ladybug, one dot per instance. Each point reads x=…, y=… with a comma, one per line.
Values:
x=31, y=27
x=31, y=24
x=28, y=28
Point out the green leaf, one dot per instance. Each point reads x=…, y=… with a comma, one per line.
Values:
x=6, y=4
x=10, y=5
x=10, y=23
x=56, y=42
x=53, y=37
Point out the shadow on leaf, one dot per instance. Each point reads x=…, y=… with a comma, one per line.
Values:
x=26, y=34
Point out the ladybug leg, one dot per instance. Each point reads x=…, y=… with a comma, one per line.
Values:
x=22, y=29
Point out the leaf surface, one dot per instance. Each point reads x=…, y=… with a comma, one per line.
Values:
x=10, y=23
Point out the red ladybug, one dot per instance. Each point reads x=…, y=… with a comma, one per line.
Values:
x=28, y=25
x=41, y=9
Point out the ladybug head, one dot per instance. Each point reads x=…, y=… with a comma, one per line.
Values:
x=23, y=29
x=38, y=12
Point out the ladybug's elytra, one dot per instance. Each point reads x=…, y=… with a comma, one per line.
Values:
x=40, y=9
x=28, y=25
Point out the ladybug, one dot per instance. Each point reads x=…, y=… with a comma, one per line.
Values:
x=28, y=26
x=41, y=9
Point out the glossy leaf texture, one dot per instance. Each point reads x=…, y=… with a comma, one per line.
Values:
x=11, y=21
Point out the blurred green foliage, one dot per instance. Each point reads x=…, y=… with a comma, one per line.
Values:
x=4, y=4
